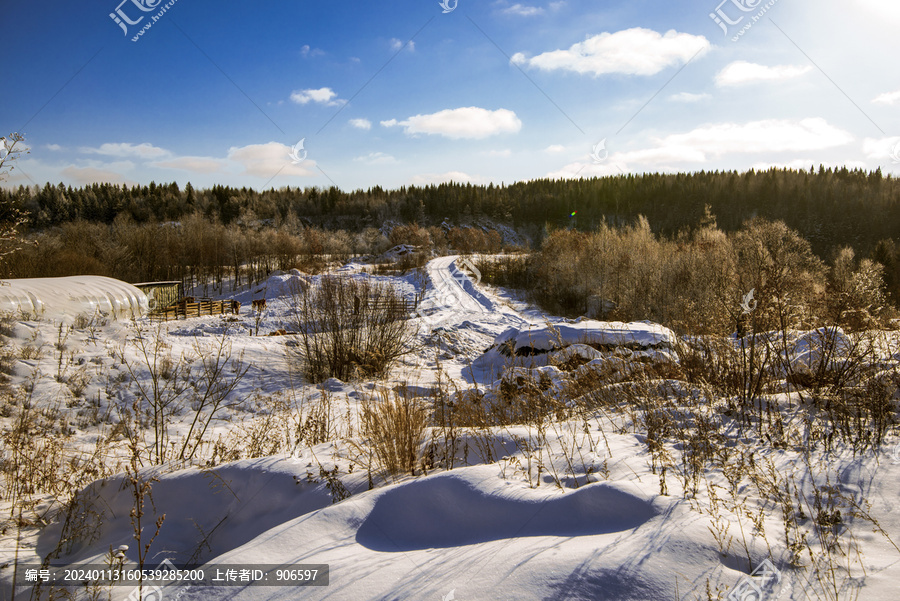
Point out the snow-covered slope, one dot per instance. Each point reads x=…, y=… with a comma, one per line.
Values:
x=569, y=508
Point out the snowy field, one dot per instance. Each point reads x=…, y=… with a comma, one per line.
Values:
x=632, y=485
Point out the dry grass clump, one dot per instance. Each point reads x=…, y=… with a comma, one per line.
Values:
x=394, y=429
x=39, y=454
x=402, y=264
x=710, y=436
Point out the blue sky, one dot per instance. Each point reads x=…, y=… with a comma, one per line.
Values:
x=400, y=93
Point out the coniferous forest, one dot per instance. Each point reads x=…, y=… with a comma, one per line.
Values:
x=165, y=232
x=827, y=207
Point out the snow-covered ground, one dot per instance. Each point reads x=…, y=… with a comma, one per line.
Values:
x=567, y=509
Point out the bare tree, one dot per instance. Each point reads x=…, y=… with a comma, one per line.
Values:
x=779, y=265
x=11, y=217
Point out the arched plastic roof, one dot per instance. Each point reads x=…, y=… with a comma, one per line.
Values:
x=72, y=296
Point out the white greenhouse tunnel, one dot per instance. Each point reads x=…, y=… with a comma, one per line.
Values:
x=66, y=298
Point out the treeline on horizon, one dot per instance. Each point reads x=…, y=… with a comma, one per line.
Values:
x=829, y=207
x=164, y=232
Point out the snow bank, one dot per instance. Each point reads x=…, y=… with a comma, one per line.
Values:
x=547, y=378
x=231, y=504
x=450, y=510
x=803, y=352
x=280, y=285
x=590, y=341
x=824, y=347
x=401, y=250
x=468, y=534
x=641, y=335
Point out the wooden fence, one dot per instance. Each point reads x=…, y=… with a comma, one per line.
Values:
x=401, y=308
x=189, y=307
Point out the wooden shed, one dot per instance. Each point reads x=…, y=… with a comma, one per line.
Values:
x=161, y=294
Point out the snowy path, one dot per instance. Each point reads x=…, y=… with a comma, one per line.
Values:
x=453, y=298
x=459, y=319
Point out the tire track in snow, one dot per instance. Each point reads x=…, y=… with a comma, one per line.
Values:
x=452, y=297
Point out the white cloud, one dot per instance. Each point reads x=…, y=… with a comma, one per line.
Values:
x=665, y=154
x=636, y=51
x=555, y=148
x=882, y=10
x=307, y=52
x=557, y=5
x=887, y=98
x=361, y=124
x=689, y=97
x=90, y=175
x=193, y=164
x=660, y=158
x=376, y=158
x=53, y=147
x=116, y=166
x=805, y=164
x=397, y=44
x=771, y=135
x=322, y=96
x=468, y=122
x=265, y=160
x=712, y=141
x=427, y=179
x=742, y=72
x=586, y=170
x=881, y=148
x=522, y=11
x=143, y=151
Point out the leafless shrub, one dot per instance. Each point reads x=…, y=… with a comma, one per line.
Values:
x=445, y=419
x=166, y=386
x=141, y=487
x=512, y=271
x=269, y=432
x=401, y=265
x=219, y=374
x=693, y=281
x=36, y=451
x=315, y=422
x=160, y=383
x=348, y=328
x=855, y=292
x=78, y=382
x=8, y=360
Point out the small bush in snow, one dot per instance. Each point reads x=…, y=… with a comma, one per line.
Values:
x=349, y=327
